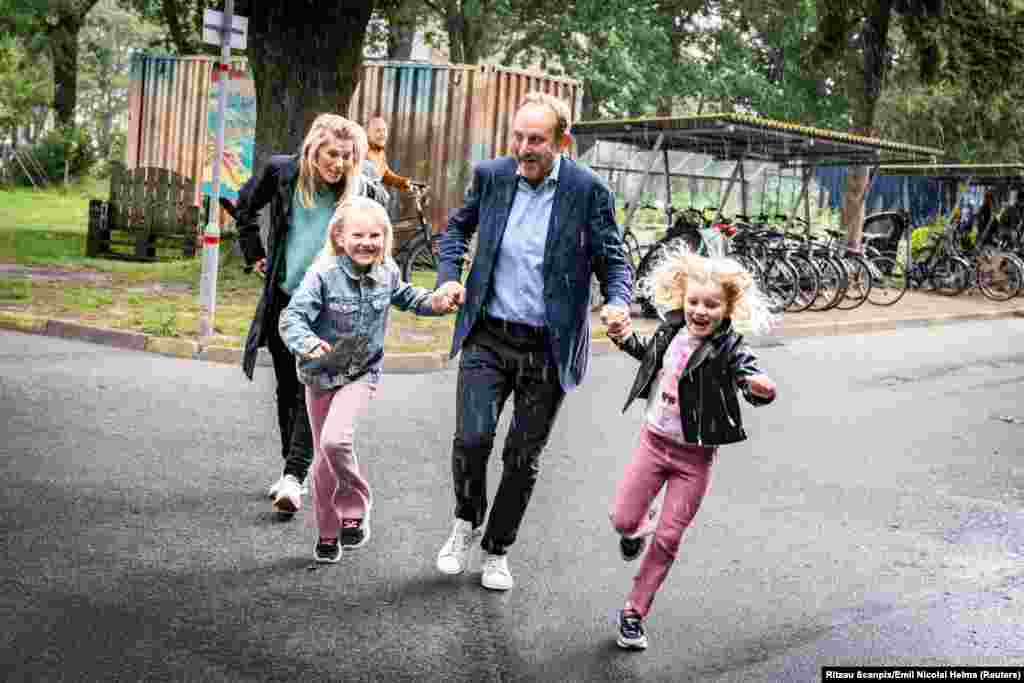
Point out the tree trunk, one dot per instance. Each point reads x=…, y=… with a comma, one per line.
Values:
x=306, y=58
x=874, y=43
x=63, y=43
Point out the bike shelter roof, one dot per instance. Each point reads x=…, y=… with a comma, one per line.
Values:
x=741, y=136
x=977, y=173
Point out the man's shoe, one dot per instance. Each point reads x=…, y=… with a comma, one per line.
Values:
x=454, y=554
x=496, y=575
x=631, y=632
x=631, y=548
x=355, y=532
x=289, y=496
x=275, y=488
x=327, y=553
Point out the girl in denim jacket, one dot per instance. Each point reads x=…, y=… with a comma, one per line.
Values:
x=691, y=371
x=335, y=325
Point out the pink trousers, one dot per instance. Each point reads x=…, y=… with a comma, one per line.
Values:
x=684, y=471
x=339, y=489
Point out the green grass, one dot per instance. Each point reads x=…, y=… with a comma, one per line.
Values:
x=15, y=291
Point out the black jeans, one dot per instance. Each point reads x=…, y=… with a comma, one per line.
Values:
x=496, y=361
x=292, y=418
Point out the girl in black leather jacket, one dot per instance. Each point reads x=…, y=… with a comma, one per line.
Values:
x=691, y=371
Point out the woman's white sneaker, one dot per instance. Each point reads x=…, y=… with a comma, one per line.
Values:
x=496, y=575
x=454, y=554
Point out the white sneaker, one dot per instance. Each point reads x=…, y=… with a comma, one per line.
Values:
x=275, y=488
x=496, y=575
x=454, y=554
x=289, y=496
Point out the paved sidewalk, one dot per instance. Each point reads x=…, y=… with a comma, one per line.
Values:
x=916, y=309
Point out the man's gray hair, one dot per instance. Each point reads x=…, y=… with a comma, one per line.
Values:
x=558, y=106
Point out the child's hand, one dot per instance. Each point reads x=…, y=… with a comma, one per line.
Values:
x=616, y=319
x=448, y=297
x=320, y=349
x=761, y=386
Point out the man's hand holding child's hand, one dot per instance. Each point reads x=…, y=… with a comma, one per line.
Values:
x=448, y=297
x=761, y=386
x=616, y=319
x=320, y=349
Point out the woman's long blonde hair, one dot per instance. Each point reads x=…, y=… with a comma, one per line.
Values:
x=366, y=206
x=325, y=128
x=670, y=277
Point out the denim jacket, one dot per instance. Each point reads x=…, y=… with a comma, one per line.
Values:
x=350, y=312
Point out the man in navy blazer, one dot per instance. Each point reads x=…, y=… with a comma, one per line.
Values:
x=546, y=225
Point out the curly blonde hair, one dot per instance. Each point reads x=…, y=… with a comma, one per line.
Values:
x=330, y=128
x=368, y=207
x=669, y=279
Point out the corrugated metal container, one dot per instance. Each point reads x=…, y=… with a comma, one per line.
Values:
x=443, y=118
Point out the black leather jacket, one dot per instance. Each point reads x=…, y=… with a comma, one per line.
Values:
x=708, y=387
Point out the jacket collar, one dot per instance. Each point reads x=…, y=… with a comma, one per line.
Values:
x=376, y=272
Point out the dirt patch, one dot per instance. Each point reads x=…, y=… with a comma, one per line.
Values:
x=50, y=273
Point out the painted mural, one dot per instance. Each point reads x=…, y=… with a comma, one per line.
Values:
x=239, y=133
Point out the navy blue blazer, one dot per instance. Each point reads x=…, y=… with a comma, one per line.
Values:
x=583, y=240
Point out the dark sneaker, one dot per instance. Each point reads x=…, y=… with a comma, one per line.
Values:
x=327, y=553
x=355, y=533
x=631, y=632
x=630, y=548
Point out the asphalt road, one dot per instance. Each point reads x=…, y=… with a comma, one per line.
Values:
x=875, y=518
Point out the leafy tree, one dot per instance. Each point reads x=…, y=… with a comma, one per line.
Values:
x=58, y=23
x=107, y=41
x=24, y=86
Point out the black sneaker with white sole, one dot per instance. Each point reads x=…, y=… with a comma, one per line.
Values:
x=630, y=548
x=327, y=553
x=631, y=632
x=355, y=532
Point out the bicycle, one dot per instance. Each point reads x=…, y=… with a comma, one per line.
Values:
x=420, y=253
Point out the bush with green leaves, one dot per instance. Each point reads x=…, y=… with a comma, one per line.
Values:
x=70, y=145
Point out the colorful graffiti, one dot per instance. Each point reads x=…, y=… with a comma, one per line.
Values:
x=239, y=133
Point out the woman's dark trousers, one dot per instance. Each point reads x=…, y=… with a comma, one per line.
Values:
x=296, y=436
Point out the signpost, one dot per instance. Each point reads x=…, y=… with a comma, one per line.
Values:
x=228, y=31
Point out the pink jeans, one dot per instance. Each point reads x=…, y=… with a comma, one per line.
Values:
x=685, y=470
x=339, y=489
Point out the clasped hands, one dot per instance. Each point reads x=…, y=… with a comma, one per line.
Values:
x=617, y=320
x=448, y=297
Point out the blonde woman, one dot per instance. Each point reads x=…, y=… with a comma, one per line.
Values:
x=303, y=190
x=335, y=325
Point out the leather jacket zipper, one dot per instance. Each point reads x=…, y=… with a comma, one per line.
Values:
x=725, y=407
x=700, y=409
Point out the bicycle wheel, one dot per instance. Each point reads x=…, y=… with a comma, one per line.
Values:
x=632, y=246
x=950, y=276
x=647, y=264
x=998, y=276
x=832, y=284
x=420, y=264
x=779, y=284
x=888, y=281
x=859, y=283
x=808, y=282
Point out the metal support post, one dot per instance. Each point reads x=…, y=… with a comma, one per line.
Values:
x=724, y=197
x=743, y=186
x=635, y=204
x=668, y=191
x=211, y=236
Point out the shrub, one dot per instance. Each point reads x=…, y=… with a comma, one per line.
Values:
x=71, y=145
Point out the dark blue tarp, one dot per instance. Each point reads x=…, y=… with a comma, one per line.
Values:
x=925, y=194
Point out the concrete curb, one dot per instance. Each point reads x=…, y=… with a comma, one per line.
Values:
x=433, y=361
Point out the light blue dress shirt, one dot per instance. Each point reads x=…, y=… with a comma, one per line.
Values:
x=518, y=294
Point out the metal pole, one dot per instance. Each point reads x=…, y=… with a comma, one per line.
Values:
x=211, y=236
x=743, y=186
x=635, y=204
x=724, y=197
x=668, y=191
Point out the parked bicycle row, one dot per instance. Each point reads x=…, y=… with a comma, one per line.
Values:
x=801, y=269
